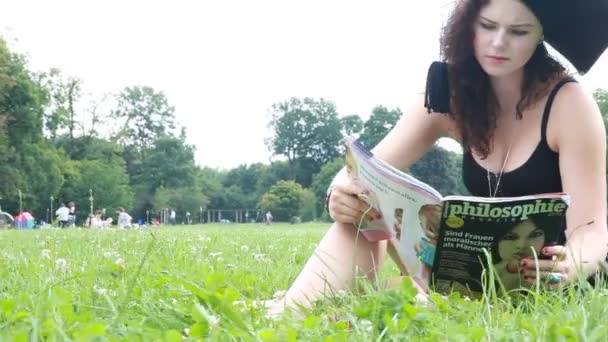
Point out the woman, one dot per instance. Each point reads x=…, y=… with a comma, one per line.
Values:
x=525, y=128
x=514, y=246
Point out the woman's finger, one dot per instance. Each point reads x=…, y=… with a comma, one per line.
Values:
x=548, y=266
x=557, y=251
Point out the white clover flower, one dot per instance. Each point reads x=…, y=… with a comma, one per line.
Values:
x=366, y=325
x=215, y=254
x=100, y=290
x=120, y=262
x=245, y=248
x=213, y=320
x=260, y=257
x=186, y=332
x=173, y=301
x=46, y=253
x=61, y=265
x=111, y=255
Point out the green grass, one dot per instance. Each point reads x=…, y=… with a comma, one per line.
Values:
x=158, y=284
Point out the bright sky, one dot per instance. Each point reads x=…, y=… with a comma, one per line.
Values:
x=223, y=63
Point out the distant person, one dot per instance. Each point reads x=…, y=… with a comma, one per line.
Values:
x=97, y=221
x=124, y=219
x=63, y=216
x=172, y=217
x=268, y=218
x=72, y=214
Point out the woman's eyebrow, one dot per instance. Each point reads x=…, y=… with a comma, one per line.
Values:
x=514, y=25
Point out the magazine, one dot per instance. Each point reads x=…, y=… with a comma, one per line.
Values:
x=447, y=242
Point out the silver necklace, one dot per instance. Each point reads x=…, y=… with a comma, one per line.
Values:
x=499, y=176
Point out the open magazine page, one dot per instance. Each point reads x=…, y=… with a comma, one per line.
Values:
x=508, y=228
x=410, y=212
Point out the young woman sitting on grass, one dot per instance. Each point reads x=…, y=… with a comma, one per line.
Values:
x=525, y=126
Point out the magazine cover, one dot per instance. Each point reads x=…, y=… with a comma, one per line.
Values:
x=441, y=241
x=510, y=231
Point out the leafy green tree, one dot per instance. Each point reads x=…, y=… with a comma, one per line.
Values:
x=63, y=93
x=142, y=116
x=271, y=174
x=181, y=200
x=351, y=125
x=210, y=182
x=89, y=148
x=380, y=122
x=322, y=180
x=305, y=129
x=601, y=97
x=108, y=181
x=42, y=167
x=23, y=153
x=21, y=101
x=170, y=162
x=441, y=169
x=284, y=200
x=308, y=209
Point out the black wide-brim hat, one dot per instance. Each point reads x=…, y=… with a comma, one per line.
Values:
x=577, y=29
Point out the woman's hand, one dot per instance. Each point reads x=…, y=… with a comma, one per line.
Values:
x=556, y=271
x=345, y=206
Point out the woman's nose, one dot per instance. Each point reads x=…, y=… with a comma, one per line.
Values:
x=499, y=40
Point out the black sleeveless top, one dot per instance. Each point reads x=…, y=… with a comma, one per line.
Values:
x=539, y=174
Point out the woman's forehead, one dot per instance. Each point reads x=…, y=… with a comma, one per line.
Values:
x=509, y=12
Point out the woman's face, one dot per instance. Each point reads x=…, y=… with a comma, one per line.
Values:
x=517, y=242
x=506, y=34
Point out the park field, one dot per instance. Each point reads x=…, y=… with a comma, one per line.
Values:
x=204, y=282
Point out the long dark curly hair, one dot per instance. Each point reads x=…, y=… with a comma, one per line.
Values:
x=473, y=104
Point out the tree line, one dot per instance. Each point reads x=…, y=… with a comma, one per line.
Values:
x=58, y=144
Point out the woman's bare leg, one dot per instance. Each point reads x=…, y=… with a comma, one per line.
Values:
x=340, y=256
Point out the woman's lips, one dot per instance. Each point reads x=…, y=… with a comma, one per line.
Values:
x=497, y=59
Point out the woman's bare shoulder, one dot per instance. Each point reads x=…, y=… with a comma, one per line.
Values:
x=575, y=112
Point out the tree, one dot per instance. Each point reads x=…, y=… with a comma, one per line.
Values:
x=441, y=169
x=89, y=148
x=351, y=125
x=63, y=92
x=181, y=200
x=601, y=97
x=305, y=129
x=108, y=181
x=380, y=122
x=308, y=209
x=170, y=162
x=322, y=180
x=284, y=200
x=142, y=116
x=21, y=101
x=210, y=182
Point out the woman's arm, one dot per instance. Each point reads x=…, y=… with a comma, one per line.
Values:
x=415, y=132
x=580, y=138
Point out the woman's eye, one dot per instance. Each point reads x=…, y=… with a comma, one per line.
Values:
x=519, y=32
x=487, y=26
x=537, y=233
x=510, y=236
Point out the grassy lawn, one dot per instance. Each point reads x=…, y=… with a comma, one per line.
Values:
x=186, y=283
